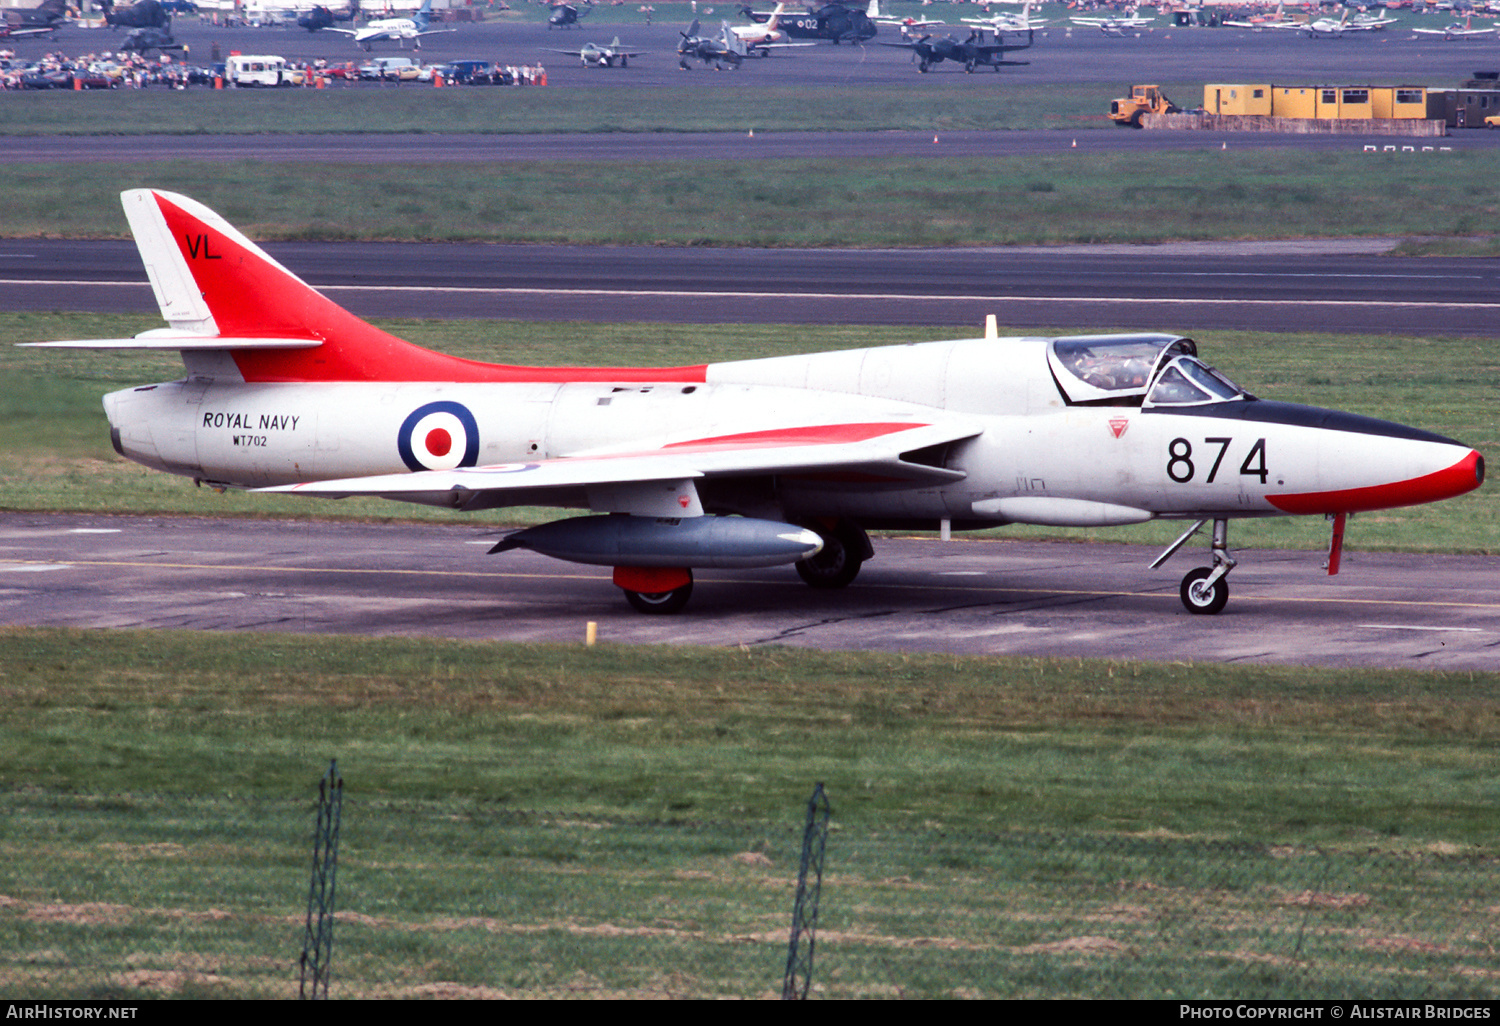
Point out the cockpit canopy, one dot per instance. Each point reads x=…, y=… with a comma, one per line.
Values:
x=1137, y=370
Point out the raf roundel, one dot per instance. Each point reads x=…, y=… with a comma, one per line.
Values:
x=439, y=436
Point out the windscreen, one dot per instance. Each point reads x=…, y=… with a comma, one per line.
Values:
x=1188, y=382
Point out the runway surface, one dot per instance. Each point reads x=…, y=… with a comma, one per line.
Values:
x=974, y=597
x=1328, y=286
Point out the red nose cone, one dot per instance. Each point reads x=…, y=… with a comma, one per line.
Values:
x=1464, y=476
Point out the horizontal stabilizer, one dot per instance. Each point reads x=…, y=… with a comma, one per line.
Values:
x=180, y=343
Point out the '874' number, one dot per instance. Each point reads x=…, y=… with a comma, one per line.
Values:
x=1182, y=469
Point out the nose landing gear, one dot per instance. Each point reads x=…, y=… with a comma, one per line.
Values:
x=1205, y=591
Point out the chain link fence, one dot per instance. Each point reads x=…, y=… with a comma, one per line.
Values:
x=141, y=896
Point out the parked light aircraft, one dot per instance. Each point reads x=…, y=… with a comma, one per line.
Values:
x=971, y=52
x=1115, y=26
x=1456, y=30
x=746, y=463
x=1340, y=26
x=398, y=29
x=1365, y=22
x=908, y=26
x=599, y=56
x=1002, y=22
x=1258, y=22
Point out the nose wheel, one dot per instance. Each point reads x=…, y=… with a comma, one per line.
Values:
x=1202, y=596
x=1205, y=591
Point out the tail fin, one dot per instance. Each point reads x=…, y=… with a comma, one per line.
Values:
x=223, y=295
x=733, y=41
x=212, y=281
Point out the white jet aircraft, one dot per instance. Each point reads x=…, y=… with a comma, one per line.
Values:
x=740, y=464
x=399, y=29
x=1456, y=30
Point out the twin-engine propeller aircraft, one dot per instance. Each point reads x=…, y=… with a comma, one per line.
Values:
x=398, y=29
x=741, y=464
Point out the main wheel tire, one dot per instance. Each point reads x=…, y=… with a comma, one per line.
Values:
x=838, y=562
x=662, y=602
x=1200, y=600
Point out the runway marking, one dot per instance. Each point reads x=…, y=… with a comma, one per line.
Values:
x=27, y=566
x=1167, y=590
x=1418, y=627
x=897, y=297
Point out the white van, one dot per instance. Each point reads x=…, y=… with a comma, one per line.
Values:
x=256, y=71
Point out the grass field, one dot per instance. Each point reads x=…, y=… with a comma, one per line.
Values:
x=552, y=820
x=944, y=107
x=958, y=202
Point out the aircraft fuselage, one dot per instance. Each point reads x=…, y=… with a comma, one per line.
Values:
x=1034, y=458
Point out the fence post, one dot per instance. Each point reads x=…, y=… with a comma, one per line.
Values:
x=317, y=940
x=798, y=977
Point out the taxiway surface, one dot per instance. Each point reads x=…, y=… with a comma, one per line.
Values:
x=1331, y=286
x=972, y=597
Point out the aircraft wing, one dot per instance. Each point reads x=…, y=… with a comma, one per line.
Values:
x=868, y=452
x=342, y=32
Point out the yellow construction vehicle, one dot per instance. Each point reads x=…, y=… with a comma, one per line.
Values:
x=1143, y=99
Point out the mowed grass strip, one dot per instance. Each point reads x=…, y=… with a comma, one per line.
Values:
x=1381, y=759
x=1076, y=197
x=686, y=107
x=55, y=452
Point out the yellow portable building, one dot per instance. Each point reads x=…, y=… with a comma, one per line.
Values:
x=1295, y=101
x=1246, y=100
x=1399, y=101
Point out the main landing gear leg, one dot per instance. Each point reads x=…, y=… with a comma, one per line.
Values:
x=1205, y=591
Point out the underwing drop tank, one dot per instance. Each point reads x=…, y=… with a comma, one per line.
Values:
x=636, y=541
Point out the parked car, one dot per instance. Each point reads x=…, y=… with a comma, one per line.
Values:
x=389, y=68
x=471, y=72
